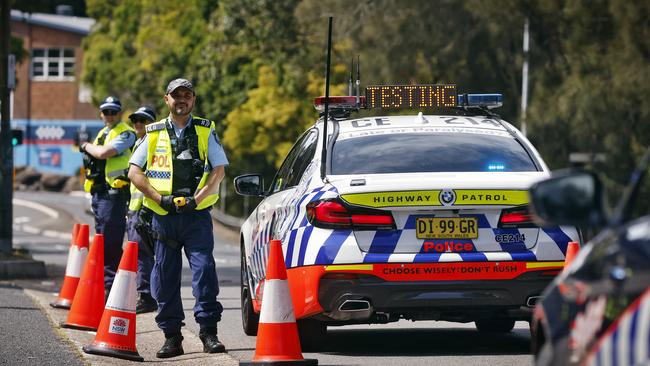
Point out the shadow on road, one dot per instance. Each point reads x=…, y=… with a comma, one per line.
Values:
x=424, y=342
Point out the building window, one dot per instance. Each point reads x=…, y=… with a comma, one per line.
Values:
x=53, y=64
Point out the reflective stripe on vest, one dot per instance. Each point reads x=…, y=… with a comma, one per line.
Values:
x=136, y=196
x=116, y=166
x=160, y=169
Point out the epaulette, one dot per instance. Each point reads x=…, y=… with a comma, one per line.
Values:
x=202, y=122
x=156, y=126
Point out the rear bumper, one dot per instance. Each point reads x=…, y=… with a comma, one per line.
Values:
x=361, y=299
x=381, y=292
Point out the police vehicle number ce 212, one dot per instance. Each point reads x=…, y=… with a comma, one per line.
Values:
x=419, y=217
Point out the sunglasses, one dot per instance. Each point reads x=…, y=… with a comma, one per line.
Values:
x=110, y=112
x=140, y=120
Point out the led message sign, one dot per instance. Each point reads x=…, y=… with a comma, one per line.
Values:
x=411, y=96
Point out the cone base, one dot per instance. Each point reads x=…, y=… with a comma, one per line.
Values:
x=61, y=304
x=78, y=327
x=306, y=361
x=105, y=351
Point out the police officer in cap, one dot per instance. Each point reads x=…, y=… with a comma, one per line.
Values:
x=178, y=168
x=106, y=161
x=139, y=221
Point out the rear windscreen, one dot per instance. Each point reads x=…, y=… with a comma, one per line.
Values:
x=429, y=152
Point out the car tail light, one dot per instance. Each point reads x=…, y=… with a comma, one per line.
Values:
x=516, y=217
x=332, y=214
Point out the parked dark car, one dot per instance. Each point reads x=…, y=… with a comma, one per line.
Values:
x=597, y=311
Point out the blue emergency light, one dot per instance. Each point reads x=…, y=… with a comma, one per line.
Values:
x=488, y=101
x=494, y=166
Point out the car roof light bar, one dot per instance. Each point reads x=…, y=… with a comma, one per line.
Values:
x=489, y=101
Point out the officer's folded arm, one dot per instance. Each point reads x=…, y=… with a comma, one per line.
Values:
x=101, y=152
x=137, y=177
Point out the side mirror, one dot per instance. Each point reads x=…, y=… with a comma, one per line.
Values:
x=249, y=185
x=569, y=198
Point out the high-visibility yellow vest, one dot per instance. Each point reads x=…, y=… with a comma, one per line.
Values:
x=117, y=167
x=160, y=169
x=136, y=196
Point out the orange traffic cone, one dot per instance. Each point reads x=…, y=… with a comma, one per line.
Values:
x=88, y=303
x=572, y=250
x=116, y=334
x=76, y=258
x=277, y=335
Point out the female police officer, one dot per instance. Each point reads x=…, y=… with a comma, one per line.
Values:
x=184, y=164
x=138, y=222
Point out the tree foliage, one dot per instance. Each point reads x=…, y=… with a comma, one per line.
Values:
x=258, y=64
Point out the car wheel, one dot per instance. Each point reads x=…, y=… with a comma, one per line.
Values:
x=249, y=319
x=495, y=325
x=312, y=334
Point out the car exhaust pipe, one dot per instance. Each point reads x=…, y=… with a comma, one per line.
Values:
x=352, y=309
x=354, y=305
x=532, y=301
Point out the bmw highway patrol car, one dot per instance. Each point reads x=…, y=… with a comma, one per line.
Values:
x=419, y=217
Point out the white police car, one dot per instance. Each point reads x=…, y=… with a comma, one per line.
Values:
x=419, y=217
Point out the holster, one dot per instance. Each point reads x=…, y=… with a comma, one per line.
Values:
x=144, y=220
x=142, y=226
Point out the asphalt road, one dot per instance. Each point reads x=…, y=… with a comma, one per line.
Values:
x=401, y=343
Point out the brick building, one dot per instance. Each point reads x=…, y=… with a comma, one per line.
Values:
x=49, y=103
x=48, y=83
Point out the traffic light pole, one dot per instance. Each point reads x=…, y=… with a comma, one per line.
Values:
x=6, y=148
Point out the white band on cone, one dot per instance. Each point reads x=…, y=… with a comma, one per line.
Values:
x=123, y=293
x=276, y=303
x=77, y=258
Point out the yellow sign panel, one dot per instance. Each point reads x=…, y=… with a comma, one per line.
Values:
x=447, y=197
x=490, y=197
x=394, y=199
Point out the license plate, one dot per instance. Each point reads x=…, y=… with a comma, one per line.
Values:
x=447, y=228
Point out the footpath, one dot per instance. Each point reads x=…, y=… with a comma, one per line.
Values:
x=30, y=331
x=30, y=334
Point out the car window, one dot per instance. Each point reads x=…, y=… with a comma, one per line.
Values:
x=283, y=175
x=303, y=158
x=429, y=152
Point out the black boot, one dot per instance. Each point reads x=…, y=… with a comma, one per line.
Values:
x=173, y=346
x=211, y=342
x=146, y=304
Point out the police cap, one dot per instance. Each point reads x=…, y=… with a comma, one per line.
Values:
x=111, y=102
x=179, y=83
x=144, y=112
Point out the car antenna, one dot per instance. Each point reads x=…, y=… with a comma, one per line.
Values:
x=327, y=97
x=350, y=80
x=358, y=82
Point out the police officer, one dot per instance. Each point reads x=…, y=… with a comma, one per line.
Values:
x=106, y=161
x=183, y=164
x=138, y=222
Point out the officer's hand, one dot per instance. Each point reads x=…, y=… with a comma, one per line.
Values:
x=190, y=205
x=80, y=137
x=167, y=203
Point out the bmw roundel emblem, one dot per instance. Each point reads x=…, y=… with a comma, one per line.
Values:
x=447, y=197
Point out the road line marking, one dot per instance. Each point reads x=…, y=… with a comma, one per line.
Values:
x=56, y=234
x=36, y=206
x=22, y=219
x=30, y=229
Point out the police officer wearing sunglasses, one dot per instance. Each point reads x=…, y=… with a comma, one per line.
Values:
x=106, y=161
x=178, y=168
x=139, y=222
